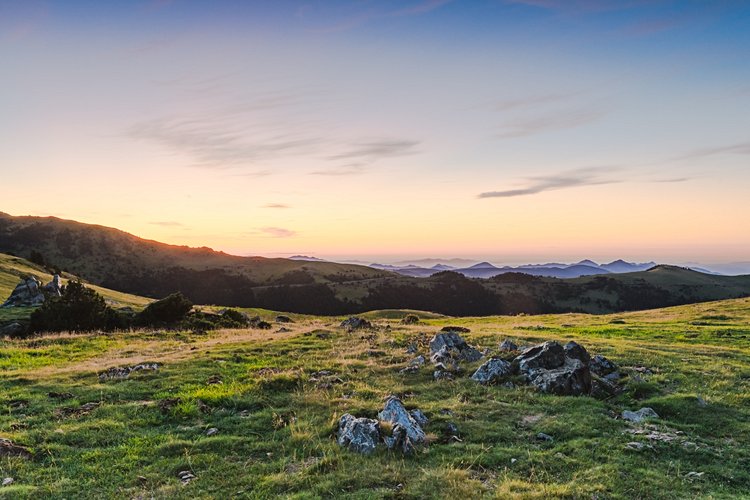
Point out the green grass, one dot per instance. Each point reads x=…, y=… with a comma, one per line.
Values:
x=276, y=427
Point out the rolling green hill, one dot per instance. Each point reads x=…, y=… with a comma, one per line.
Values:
x=120, y=261
x=12, y=269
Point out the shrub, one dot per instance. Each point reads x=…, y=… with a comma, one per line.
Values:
x=78, y=309
x=410, y=319
x=168, y=311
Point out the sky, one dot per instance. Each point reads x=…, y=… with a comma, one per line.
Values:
x=506, y=130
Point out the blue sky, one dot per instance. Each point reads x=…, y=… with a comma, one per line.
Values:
x=505, y=130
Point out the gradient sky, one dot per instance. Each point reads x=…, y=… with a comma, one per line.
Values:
x=514, y=131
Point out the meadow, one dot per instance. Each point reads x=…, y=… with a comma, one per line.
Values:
x=246, y=413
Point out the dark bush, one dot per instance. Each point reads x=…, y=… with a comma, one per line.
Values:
x=165, y=312
x=78, y=309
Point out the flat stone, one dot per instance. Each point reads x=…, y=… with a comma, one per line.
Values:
x=639, y=415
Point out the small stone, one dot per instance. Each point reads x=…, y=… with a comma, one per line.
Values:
x=451, y=429
x=508, y=346
x=185, y=476
x=701, y=402
x=640, y=415
x=692, y=475
x=513, y=460
x=8, y=481
x=360, y=435
x=418, y=361
x=635, y=446
x=442, y=375
x=212, y=431
x=544, y=437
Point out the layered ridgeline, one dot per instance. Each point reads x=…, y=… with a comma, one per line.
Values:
x=120, y=261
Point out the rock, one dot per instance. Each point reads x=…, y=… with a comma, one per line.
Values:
x=610, y=377
x=418, y=361
x=60, y=395
x=544, y=437
x=412, y=348
x=419, y=417
x=283, y=329
x=445, y=359
x=492, y=371
x=410, y=319
x=27, y=293
x=451, y=429
x=10, y=449
x=601, y=365
x=409, y=369
x=636, y=446
x=508, y=346
x=355, y=323
x=454, y=329
x=602, y=387
x=407, y=434
x=573, y=350
x=692, y=475
x=701, y=402
x=442, y=375
x=360, y=435
x=54, y=287
x=212, y=431
x=168, y=404
x=640, y=415
x=545, y=356
x=556, y=370
x=283, y=319
x=8, y=481
x=214, y=380
x=452, y=342
x=185, y=476
x=572, y=379
x=13, y=329
x=121, y=373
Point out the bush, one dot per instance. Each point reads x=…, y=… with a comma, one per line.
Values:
x=165, y=312
x=78, y=309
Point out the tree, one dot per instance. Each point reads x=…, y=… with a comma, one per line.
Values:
x=168, y=311
x=78, y=309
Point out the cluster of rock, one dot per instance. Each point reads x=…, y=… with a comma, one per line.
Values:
x=123, y=372
x=363, y=435
x=549, y=367
x=30, y=292
x=355, y=323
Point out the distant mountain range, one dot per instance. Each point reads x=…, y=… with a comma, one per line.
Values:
x=553, y=270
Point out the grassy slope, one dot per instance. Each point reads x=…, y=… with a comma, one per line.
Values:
x=13, y=268
x=94, y=251
x=275, y=426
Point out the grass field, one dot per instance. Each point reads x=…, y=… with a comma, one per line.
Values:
x=276, y=427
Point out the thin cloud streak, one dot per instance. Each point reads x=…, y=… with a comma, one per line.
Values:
x=742, y=148
x=276, y=205
x=592, y=176
x=278, y=232
x=167, y=223
x=549, y=122
x=375, y=150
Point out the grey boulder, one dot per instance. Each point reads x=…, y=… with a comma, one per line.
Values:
x=452, y=342
x=640, y=415
x=360, y=435
x=27, y=293
x=406, y=434
x=492, y=370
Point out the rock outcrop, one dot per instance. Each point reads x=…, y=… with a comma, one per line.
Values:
x=355, y=323
x=406, y=433
x=640, y=415
x=451, y=342
x=54, y=287
x=555, y=369
x=27, y=293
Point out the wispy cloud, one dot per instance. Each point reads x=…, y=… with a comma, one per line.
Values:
x=167, y=223
x=276, y=205
x=216, y=145
x=530, y=101
x=278, y=232
x=742, y=148
x=549, y=121
x=376, y=150
x=592, y=176
x=351, y=169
